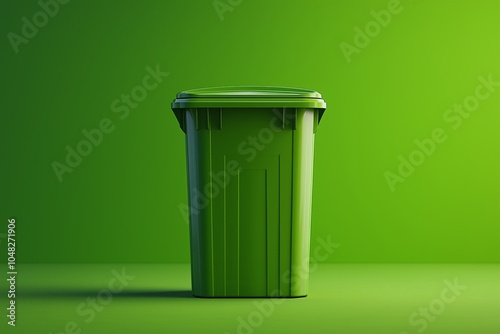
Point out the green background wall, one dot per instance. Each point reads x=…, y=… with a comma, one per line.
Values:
x=120, y=203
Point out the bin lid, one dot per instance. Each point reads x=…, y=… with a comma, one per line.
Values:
x=249, y=97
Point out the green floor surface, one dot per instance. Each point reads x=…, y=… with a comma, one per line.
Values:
x=343, y=298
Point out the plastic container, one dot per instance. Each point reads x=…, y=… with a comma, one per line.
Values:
x=250, y=172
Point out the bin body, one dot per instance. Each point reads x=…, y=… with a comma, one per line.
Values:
x=250, y=171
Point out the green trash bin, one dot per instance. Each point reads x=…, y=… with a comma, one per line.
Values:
x=250, y=171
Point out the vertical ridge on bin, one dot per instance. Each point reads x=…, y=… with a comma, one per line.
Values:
x=279, y=224
x=216, y=196
x=238, y=234
x=230, y=194
x=273, y=226
x=295, y=120
x=211, y=208
x=206, y=119
x=289, y=292
x=220, y=119
x=267, y=229
x=295, y=207
x=193, y=182
x=285, y=176
x=225, y=228
x=208, y=123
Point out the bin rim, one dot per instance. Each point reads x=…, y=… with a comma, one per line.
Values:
x=244, y=97
x=249, y=97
